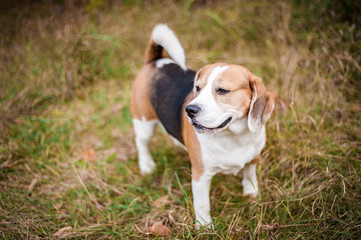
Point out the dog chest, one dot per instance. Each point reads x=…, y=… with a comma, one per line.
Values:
x=226, y=153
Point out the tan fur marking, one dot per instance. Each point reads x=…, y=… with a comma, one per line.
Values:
x=140, y=105
x=255, y=160
x=202, y=75
x=234, y=79
x=192, y=143
x=153, y=51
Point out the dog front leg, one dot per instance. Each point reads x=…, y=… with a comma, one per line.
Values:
x=249, y=182
x=201, y=201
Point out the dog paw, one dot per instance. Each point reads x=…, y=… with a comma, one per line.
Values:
x=251, y=196
x=147, y=166
x=251, y=193
x=204, y=222
x=250, y=188
x=205, y=225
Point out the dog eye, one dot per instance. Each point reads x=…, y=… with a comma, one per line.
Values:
x=222, y=91
x=197, y=89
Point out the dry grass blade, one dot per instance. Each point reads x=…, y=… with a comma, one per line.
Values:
x=32, y=185
x=86, y=189
x=63, y=232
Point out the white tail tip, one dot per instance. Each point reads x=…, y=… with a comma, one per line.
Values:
x=166, y=38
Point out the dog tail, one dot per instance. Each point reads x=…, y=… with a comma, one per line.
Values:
x=164, y=37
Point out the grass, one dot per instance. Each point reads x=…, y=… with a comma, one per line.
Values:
x=66, y=71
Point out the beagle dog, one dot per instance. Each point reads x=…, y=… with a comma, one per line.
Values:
x=217, y=114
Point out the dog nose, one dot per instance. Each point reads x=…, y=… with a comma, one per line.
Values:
x=192, y=110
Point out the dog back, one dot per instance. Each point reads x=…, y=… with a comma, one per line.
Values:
x=169, y=88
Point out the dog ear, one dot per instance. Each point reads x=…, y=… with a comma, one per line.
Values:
x=261, y=107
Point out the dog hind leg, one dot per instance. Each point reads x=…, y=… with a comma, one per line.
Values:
x=143, y=132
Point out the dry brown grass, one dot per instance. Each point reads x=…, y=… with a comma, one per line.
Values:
x=65, y=77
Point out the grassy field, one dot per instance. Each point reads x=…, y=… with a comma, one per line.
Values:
x=68, y=164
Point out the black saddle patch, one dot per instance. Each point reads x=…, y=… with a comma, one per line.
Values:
x=169, y=88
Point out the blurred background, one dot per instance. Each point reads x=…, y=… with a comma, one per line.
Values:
x=68, y=165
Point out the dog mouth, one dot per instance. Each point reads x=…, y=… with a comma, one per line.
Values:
x=201, y=128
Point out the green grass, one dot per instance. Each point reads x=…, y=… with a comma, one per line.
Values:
x=65, y=88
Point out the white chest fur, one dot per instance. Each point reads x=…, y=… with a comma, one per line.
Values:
x=228, y=151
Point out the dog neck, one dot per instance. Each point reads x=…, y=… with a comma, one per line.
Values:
x=239, y=126
x=236, y=136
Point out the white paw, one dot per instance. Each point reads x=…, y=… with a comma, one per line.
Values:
x=250, y=189
x=250, y=194
x=209, y=225
x=146, y=165
x=204, y=222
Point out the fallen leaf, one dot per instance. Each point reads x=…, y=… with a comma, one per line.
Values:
x=158, y=229
x=89, y=155
x=62, y=232
x=355, y=109
x=117, y=108
x=162, y=201
x=80, y=93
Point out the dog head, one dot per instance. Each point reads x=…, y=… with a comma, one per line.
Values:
x=224, y=93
